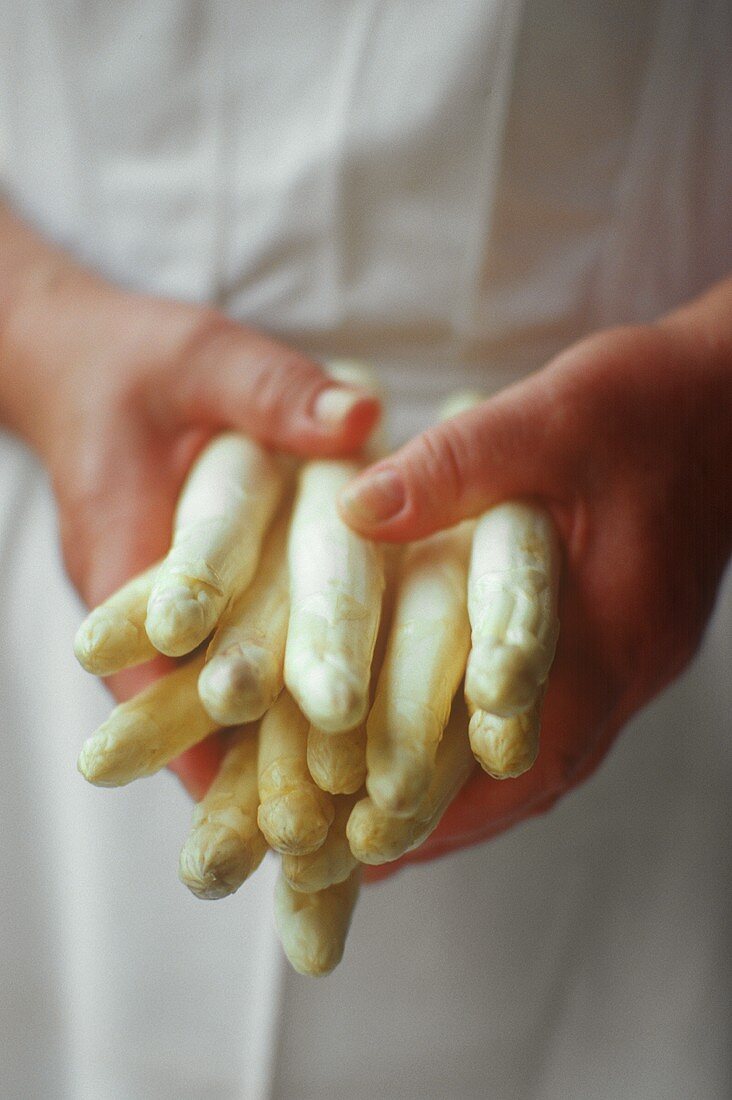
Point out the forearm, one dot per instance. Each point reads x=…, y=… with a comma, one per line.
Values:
x=29, y=269
x=46, y=309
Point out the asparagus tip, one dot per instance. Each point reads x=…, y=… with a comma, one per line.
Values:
x=214, y=862
x=238, y=687
x=296, y=821
x=505, y=747
x=503, y=679
x=399, y=788
x=180, y=618
x=332, y=698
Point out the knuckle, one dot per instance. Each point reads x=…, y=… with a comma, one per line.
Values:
x=273, y=383
x=285, y=385
x=442, y=461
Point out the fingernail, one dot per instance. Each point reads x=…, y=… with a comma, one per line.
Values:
x=374, y=498
x=333, y=405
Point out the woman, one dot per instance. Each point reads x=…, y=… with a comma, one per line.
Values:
x=458, y=196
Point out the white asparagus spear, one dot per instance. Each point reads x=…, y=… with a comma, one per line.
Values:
x=337, y=762
x=243, y=674
x=294, y=814
x=336, y=586
x=512, y=602
x=313, y=927
x=112, y=636
x=506, y=747
x=354, y=372
x=332, y=862
x=424, y=665
x=429, y=640
x=357, y=373
x=459, y=402
x=376, y=837
x=225, y=846
x=144, y=734
x=223, y=512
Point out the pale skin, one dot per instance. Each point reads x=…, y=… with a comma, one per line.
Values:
x=626, y=439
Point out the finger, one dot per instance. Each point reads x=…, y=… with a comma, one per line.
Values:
x=513, y=593
x=225, y=846
x=226, y=505
x=458, y=468
x=198, y=766
x=244, y=670
x=294, y=814
x=313, y=927
x=336, y=586
x=239, y=378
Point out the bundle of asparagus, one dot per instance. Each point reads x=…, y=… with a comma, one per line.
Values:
x=337, y=671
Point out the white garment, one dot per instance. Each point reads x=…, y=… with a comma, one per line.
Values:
x=454, y=191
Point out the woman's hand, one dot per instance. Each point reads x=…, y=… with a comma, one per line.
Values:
x=118, y=392
x=626, y=438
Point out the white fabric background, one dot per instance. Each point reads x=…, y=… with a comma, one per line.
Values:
x=454, y=192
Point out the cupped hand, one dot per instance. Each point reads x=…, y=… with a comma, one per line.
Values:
x=122, y=392
x=625, y=439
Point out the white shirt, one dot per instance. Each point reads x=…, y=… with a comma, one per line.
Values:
x=454, y=192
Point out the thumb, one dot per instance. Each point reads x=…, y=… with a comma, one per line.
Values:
x=238, y=378
x=503, y=448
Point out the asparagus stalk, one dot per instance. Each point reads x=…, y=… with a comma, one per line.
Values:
x=313, y=927
x=294, y=814
x=377, y=837
x=512, y=603
x=144, y=734
x=506, y=747
x=112, y=636
x=513, y=587
x=243, y=674
x=337, y=762
x=357, y=373
x=225, y=846
x=336, y=585
x=423, y=668
x=332, y=862
x=224, y=509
